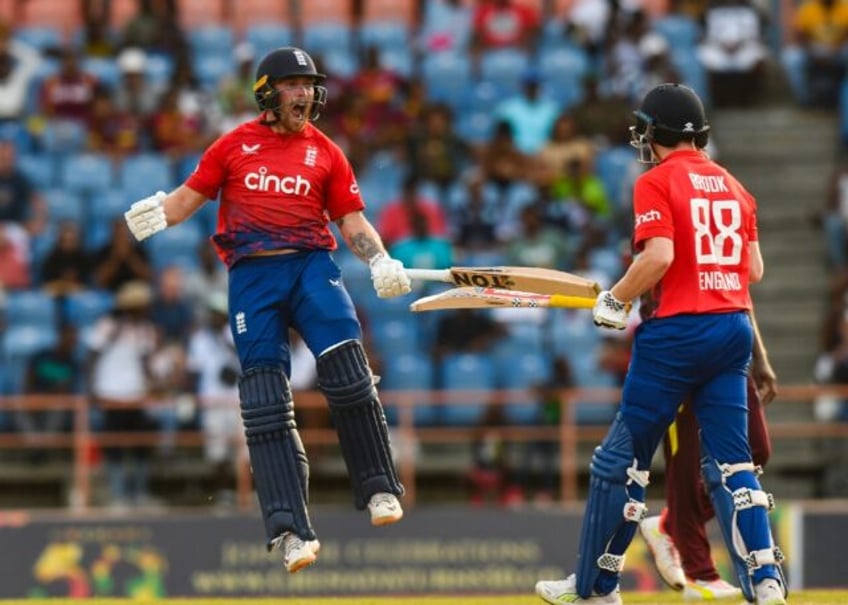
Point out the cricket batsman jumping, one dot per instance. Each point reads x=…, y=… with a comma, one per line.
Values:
x=281, y=181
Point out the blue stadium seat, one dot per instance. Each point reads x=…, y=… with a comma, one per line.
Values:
x=144, y=174
x=463, y=372
x=617, y=167
x=681, y=32
x=105, y=70
x=384, y=35
x=398, y=60
x=17, y=344
x=86, y=173
x=39, y=168
x=158, y=69
x=522, y=370
x=447, y=77
x=211, y=40
x=340, y=63
x=212, y=69
x=265, y=37
x=39, y=37
x=63, y=137
x=562, y=71
x=105, y=206
x=410, y=372
x=504, y=69
x=30, y=308
x=16, y=133
x=323, y=37
x=395, y=336
x=175, y=246
x=85, y=307
x=584, y=363
x=63, y=205
x=475, y=126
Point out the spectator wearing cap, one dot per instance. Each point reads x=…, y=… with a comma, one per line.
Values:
x=135, y=95
x=530, y=114
x=120, y=346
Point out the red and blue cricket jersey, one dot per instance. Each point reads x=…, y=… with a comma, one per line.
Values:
x=277, y=190
x=711, y=218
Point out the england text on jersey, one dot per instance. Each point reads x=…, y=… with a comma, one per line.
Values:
x=719, y=281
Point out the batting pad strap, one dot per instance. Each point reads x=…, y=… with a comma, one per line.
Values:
x=746, y=498
x=766, y=556
x=346, y=381
x=635, y=511
x=731, y=469
x=611, y=562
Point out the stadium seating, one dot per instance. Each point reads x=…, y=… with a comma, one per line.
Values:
x=212, y=69
x=211, y=40
x=39, y=168
x=62, y=137
x=85, y=307
x=30, y=308
x=521, y=369
x=410, y=372
x=105, y=70
x=265, y=37
x=17, y=345
x=327, y=36
x=447, y=77
x=63, y=205
x=681, y=32
x=617, y=167
x=144, y=174
x=396, y=336
x=176, y=245
x=86, y=173
x=384, y=35
x=504, y=69
x=463, y=372
x=64, y=17
x=400, y=11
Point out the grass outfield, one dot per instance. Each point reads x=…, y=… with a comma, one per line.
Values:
x=807, y=597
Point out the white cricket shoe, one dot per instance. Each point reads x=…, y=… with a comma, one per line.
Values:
x=769, y=592
x=297, y=552
x=385, y=509
x=558, y=592
x=666, y=557
x=705, y=590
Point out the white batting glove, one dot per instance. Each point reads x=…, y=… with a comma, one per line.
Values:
x=146, y=217
x=388, y=276
x=609, y=312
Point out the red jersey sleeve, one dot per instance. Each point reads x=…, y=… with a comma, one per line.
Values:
x=343, y=196
x=652, y=215
x=210, y=173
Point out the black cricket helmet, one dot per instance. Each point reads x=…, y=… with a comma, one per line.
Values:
x=286, y=62
x=670, y=113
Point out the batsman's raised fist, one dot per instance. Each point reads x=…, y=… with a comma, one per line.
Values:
x=388, y=276
x=609, y=312
x=146, y=217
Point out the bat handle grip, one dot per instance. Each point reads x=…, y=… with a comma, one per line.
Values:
x=429, y=274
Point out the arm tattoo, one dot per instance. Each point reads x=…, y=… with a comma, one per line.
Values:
x=364, y=246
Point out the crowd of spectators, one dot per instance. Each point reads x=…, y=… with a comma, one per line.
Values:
x=482, y=132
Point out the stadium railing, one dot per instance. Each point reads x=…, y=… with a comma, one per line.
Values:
x=569, y=434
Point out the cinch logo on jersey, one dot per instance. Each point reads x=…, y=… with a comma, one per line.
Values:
x=647, y=217
x=708, y=184
x=264, y=181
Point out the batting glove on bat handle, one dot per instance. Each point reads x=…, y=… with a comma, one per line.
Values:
x=147, y=216
x=609, y=312
x=388, y=276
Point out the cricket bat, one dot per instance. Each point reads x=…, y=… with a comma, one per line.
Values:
x=477, y=298
x=525, y=279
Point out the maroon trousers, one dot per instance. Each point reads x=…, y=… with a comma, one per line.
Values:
x=688, y=506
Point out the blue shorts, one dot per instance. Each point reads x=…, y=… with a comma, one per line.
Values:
x=704, y=357
x=302, y=290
